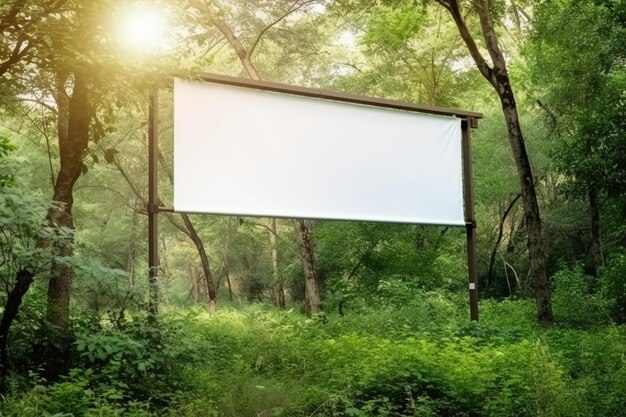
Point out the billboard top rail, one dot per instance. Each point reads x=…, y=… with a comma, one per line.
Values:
x=338, y=96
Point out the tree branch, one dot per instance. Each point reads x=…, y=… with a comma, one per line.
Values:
x=240, y=50
x=41, y=103
x=444, y=3
x=292, y=9
x=130, y=183
x=264, y=226
x=17, y=54
x=455, y=11
x=183, y=229
x=10, y=19
x=489, y=34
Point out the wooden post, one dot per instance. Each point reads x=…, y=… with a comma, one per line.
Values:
x=470, y=221
x=153, y=204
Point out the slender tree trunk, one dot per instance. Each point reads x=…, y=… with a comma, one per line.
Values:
x=497, y=75
x=11, y=308
x=279, y=295
x=73, y=139
x=204, y=259
x=230, y=288
x=193, y=282
x=596, y=230
x=132, y=247
x=279, y=292
x=197, y=241
x=492, y=258
x=312, y=292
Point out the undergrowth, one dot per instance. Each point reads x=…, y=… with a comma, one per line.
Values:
x=422, y=359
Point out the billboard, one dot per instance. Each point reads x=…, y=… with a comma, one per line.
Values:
x=250, y=152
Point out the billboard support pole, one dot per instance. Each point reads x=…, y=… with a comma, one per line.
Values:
x=153, y=203
x=470, y=221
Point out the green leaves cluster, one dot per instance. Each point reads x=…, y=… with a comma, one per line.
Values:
x=579, y=70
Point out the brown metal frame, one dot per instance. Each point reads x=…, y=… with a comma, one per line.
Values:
x=469, y=120
x=470, y=220
x=153, y=202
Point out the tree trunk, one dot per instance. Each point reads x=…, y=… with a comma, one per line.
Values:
x=193, y=282
x=230, y=288
x=279, y=295
x=11, y=308
x=197, y=241
x=532, y=219
x=497, y=75
x=596, y=230
x=492, y=258
x=305, y=242
x=73, y=139
x=206, y=267
x=132, y=247
x=279, y=292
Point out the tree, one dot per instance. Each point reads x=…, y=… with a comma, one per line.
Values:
x=496, y=73
x=73, y=63
x=582, y=80
x=22, y=259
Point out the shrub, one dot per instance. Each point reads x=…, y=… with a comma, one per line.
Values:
x=145, y=361
x=613, y=286
x=576, y=300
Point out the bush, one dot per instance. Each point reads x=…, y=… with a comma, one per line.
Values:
x=576, y=300
x=71, y=398
x=143, y=362
x=256, y=361
x=613, y=286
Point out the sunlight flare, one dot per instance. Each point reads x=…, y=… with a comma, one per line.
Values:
x=143, y=29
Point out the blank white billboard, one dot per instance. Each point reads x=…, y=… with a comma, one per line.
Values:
x=243, y=151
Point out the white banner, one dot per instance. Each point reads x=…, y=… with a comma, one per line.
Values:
x=243, y=151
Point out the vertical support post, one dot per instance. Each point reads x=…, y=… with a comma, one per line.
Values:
x=153, y=203
x=470, y=221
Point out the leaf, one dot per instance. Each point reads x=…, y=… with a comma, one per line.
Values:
x=351, y=411
x=109, y=155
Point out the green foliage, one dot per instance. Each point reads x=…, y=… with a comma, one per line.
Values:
x=576, y=298
x=70, y=398
x=394, y=339
x=141, y=362
x=613, y=286
x=359, y=365
x=104, y=293
x=386, y=361
x=406, y=20
x=385, y=264
x=23, y=225
x=6, y=147
x=583, y=80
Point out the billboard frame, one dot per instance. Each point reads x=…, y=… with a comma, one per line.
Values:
x=469, y=120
